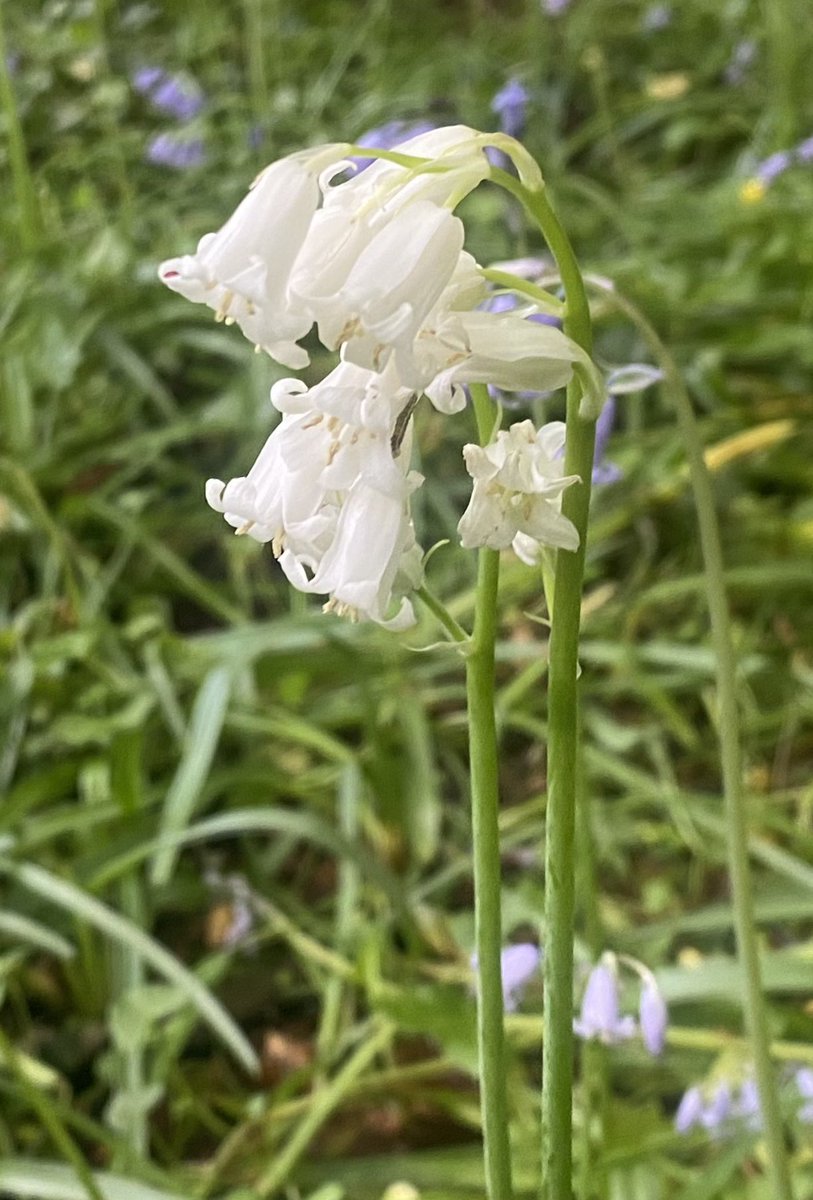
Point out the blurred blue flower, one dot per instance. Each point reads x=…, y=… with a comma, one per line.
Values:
x=168, y=93
x=605, y=472
x=600, y=1016
x=517, y=963
x=176, y=152
x=747, y=1106
x=803, y=1079
x=510, y=104
x=385, y=137
x=146, y=79
x=773, y=166
x=653, y=1016
x=716, y=1113
x=721, y=1112
x=554, y=7
x=689, y=1110
x=804, y=151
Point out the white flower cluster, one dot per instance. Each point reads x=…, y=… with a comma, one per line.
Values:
x=376, y=262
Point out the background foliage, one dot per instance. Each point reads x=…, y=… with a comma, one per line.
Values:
x=311, y=901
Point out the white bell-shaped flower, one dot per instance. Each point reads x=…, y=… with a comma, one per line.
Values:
x=373, y=560
x=331, y=494
x=243, y=270
x=348, y=396
x=496, y=348
x=397, y=278
x=518, y=485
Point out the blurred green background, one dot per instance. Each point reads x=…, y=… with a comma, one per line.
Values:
x=312, y=903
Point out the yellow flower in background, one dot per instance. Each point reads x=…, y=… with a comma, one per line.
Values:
x=670, y=86
x=753, y=191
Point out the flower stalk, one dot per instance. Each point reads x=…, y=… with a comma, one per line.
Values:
x=728, y=720
x=563, y=727
x=484, y=777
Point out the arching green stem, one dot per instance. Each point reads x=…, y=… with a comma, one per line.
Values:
x=728, y=722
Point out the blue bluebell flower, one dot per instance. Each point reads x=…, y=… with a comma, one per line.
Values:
x=747, y=1106
x=387, y=136
x=168, y=93
x=510, y=104
x=690, y=1109
x=605, y=472
x=600, y=1015
x=518, y=964
x=803, y=1078
x=177, y=153
x=653, y=1016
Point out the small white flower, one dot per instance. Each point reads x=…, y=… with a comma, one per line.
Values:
x=242, y=271
x=518, y=485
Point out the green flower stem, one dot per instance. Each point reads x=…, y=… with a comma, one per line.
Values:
x=728, y=721
x=324, y=1103
x=25, y=195
x=563, y=727
x=484, y=774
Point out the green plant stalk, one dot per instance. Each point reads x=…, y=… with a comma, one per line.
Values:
x=29, y=214
x=563, y=727
x=484, y=778
x=728, y=720
x=323, y=1104
x=781, y=20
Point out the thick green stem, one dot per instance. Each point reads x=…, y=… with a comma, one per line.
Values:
x=484, y=775
x=563, y=729
x=728, y=721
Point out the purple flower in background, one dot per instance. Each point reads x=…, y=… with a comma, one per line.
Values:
x=147, y=78
x=517, y=963
x=653, y=1016
x=605, y=472
x=716, y=1113
x=386, y=137
x=510, y=104
x=747, y=1106
x=177, y=153
x=804, y=151
x=169, y=93
x=804, y=1085
x=554, y=7
x=773, y=166
x=600, y=1016
x=177, y=99
x=689, y=1110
